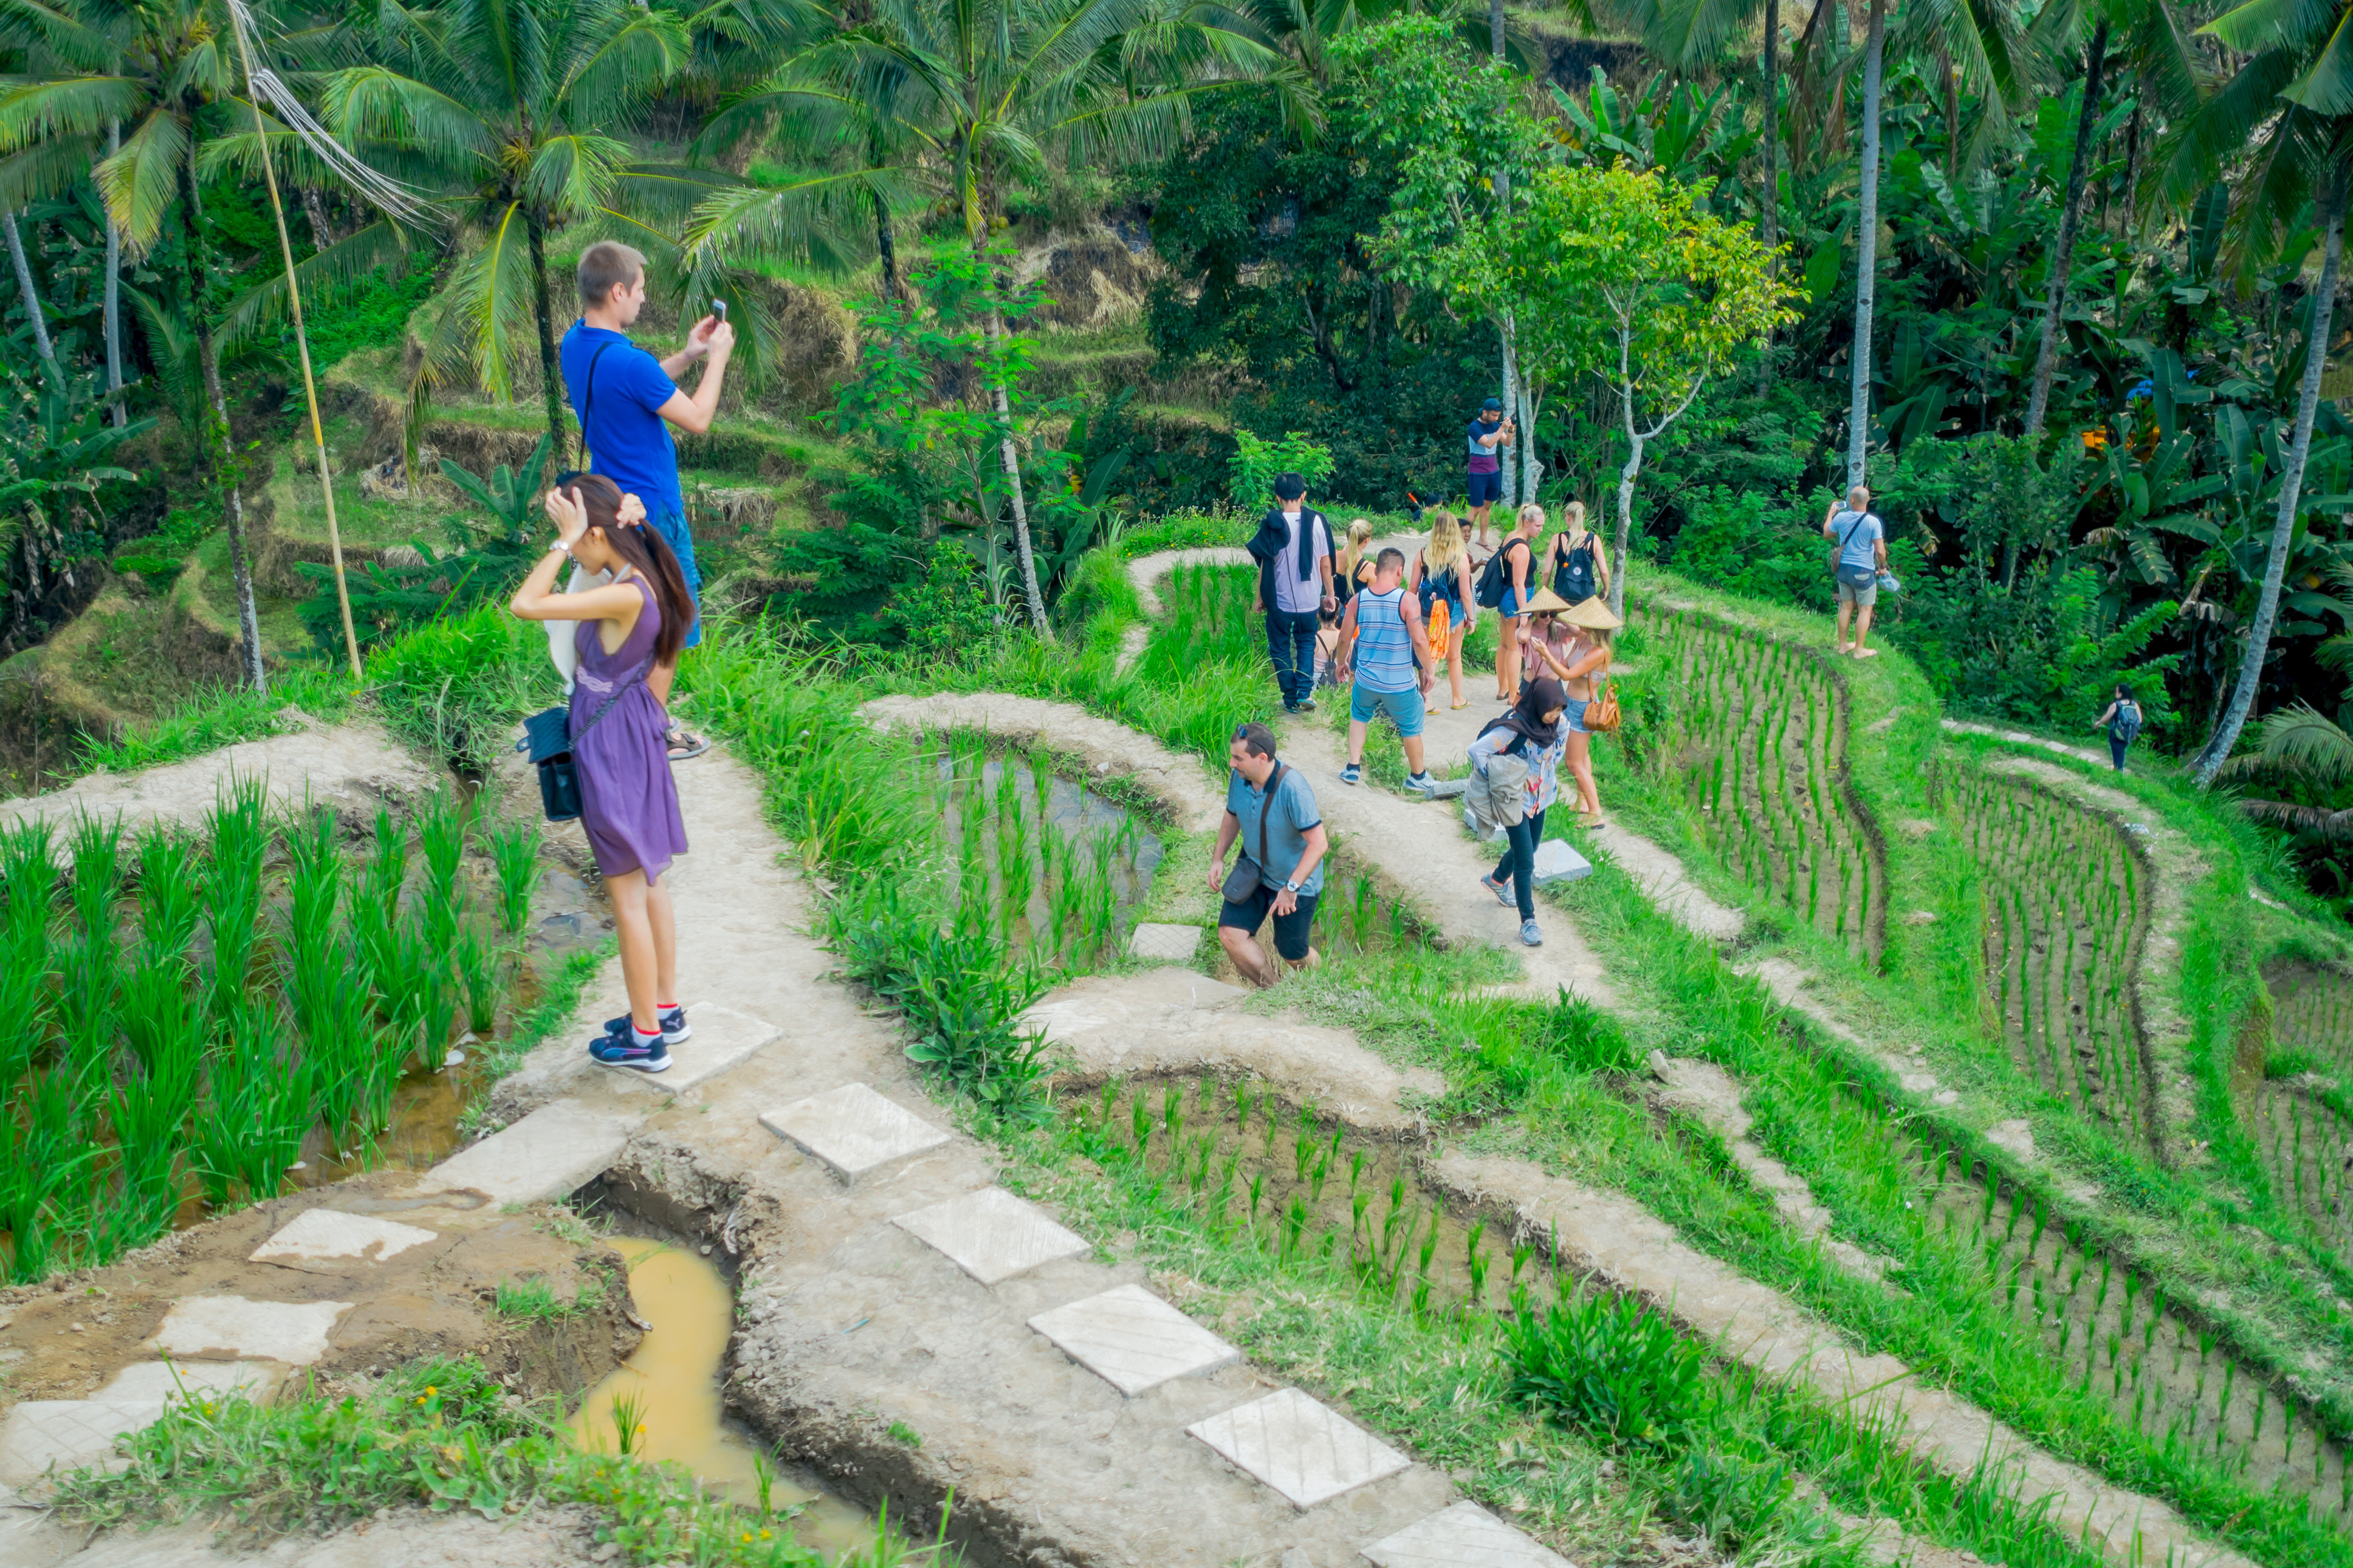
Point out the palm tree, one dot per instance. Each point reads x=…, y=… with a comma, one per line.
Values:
x=976, y=94
x=2284, y=119
x=505, y=111
x=158, y=69
x=2165, y=75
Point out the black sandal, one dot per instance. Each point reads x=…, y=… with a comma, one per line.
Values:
x=683, y=745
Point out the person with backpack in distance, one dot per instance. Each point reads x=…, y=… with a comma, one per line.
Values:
x=1293, y=548
x=628, y=627
x=1271, y=809
x=1440, y=576
x=1382, y=637
x=1534, y=734
x=1483, y=475
x=1576, y=563
x=1506, y=583
x=2122, y=721
x=625, y=400
x=1858, y=559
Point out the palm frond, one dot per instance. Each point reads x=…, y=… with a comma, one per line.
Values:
x=140, y=182
x=323, y=277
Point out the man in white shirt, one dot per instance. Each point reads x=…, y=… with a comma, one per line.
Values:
x=1293, y=550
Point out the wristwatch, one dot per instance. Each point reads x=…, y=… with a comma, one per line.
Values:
x=1290, y=887
x=561, y=547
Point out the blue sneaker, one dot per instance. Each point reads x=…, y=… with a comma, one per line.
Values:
x=620, y=1048
x=673, y=1024
x=1503, y=891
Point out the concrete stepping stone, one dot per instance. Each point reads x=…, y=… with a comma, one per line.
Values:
x=991, y=1235
x=551, y=1154
x=1165, y=944
x=1463, y=1536
x=1132, y=1340
x=721, y=1038
x=1557, y=862
x=70, y=1433
x=852, y=1128
x=294, y=1332
x=1307, y=1451
x=166, y=1380
x=321, y=1236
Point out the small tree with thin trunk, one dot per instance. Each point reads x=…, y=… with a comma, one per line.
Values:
x=1626, y=277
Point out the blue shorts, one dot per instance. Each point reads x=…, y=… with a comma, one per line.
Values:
x=674, y=534
x=1514, y=602
x=1486, y=488
x=1572, y=716
x=1404, y=708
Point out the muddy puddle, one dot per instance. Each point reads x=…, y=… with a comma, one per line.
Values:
x=667, y=1397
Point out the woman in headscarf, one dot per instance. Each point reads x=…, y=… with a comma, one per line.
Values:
x=1535, y=732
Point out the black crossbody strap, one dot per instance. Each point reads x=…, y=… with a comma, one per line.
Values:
x=588, y=402
x=635, y=677
x=1264, y=806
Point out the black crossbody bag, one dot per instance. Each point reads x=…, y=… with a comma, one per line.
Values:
x=548, y=739
x=1248, y=873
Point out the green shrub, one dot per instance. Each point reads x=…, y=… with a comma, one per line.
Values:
x=1098, y=587
x=460, y=685
x=1612, y=1367
x=1256, y=462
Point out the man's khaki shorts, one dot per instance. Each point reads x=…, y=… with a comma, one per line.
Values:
x=1866, y=596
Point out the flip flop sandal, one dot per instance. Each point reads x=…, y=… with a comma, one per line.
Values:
x=684, y=745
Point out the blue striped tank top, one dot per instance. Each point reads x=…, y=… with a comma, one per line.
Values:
x=1384, y=652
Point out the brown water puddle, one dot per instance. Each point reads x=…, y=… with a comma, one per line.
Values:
x=671, y=1386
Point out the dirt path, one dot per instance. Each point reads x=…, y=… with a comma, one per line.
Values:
x=849, y=1328
x=409, y=1538
x=2021, y=738
x=352, y=767
x=1612, y=1238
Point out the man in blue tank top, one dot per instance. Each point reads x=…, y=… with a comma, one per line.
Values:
x=1382, y=629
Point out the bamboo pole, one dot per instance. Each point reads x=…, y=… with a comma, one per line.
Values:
x=302, y=350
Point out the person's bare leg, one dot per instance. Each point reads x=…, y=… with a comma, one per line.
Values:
x=1507, y=658
x=634, y=925
x=1454, y=666
x=1356, y=740
x=1846, y=612
x=664, y=922
x=1580, y=768
x=1244, y=951
x=1413, y=754
x=1302, y=965
x=659, y=681
x=1861, y=630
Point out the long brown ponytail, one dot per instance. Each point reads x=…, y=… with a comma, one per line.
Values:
x=647, y=553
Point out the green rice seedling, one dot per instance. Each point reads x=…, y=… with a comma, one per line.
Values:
x=88, y=1003
x=629, y=1423
x=28, y=874
x=387, y=867
x=1257, y=1191
x=1139, y=1120
x=1476, y=1263
x=514, y=852
x=167, y=893
x=238, y=827
x=1612, y=1367
x=41, y=1156
x=96, y=848
x=1172, y=1112
x=437, y=1015
x=1110, y=1092
x=477, y=967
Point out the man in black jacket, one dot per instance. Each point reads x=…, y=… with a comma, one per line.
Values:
x=1293, y=550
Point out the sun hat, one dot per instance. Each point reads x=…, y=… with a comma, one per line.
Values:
x=1592, y=615
x=1543, y=602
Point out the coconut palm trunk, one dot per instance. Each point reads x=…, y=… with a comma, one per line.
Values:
x=32, y=295
x=224, y=461
x=551, y=384
x=2308, y=408
x=1008, y=455
x=2062, y=257
x=111, y=322
x=1858, y=435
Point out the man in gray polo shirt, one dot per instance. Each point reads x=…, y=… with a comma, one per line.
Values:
x=1262, y=795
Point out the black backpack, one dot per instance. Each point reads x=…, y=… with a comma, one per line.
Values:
x=1574, y=578
x=1495, y=578
x=2125, y=725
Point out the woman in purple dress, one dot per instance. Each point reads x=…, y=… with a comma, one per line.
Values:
x=628, y=803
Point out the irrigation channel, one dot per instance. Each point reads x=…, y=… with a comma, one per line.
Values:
x=664, y=1404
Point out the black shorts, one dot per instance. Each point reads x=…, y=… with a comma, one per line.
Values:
x=1486, y=488
x=1290, y=931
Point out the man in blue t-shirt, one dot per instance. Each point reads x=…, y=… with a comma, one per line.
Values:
x=1484, y=473
x=1860, y=556
x=1283, y=833
x=623, y=395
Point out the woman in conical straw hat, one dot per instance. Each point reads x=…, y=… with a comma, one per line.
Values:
x=1574, y=648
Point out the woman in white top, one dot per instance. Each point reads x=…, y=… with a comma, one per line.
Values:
x=1575, y=657
x=1439, y=574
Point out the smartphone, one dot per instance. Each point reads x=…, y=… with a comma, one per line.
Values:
x=719, y=308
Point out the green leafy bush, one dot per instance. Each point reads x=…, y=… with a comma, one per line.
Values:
x=460, y=686
x=1256, y=462
x=1612, y=1367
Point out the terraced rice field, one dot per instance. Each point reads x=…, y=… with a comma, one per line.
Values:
x=2065, y=900
x=1759, y=733
x=2119, y=1339
x=2298, y=1117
